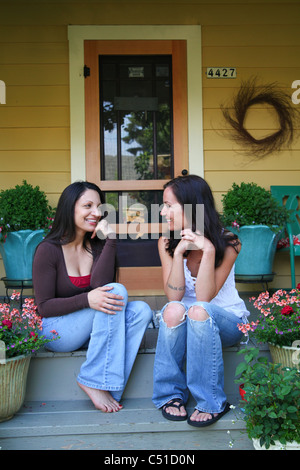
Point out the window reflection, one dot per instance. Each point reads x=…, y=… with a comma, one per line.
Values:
x=136, y=117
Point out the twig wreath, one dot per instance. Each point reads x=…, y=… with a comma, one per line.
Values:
x=250, y=94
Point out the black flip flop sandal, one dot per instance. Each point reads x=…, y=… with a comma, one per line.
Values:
x=208, y=422
x=176, y=403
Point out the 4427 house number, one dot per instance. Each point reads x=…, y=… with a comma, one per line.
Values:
x=221, y=72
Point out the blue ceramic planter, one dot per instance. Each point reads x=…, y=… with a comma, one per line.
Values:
x=17, y=252
x=258, y=250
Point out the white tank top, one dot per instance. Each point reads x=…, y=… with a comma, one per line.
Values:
x=227, y=297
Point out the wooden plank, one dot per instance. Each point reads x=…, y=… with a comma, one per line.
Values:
x=222, y=180
x=37, y=95
x=35, y=74
x=214, y=97
x=38, y=33
x=254, y=35
x=148, y=13
x=285, y=160
x=259, y=56
x=34, y=139
x=131, y=185
x=35, y=117
x=34, y=53
x=50, y=182
x=35, y=160
x=134, y=278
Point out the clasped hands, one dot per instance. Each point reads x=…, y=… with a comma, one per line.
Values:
x=192, y=241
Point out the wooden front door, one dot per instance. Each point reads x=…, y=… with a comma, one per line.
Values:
x=136, y=140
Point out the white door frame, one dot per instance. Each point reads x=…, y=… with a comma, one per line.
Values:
x=78, y=34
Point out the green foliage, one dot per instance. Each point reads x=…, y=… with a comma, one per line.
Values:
x=250, y=204
x=272, y=399
x=24, y=207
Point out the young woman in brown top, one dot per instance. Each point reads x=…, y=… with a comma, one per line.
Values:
x=73, y=273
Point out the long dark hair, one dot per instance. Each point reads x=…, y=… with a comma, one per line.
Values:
x=193, y=190
x=63, y=227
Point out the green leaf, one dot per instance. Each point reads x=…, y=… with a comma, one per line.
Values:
x=292, y=409
x=241, y=368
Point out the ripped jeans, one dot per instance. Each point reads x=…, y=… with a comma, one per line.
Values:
x=198, y=345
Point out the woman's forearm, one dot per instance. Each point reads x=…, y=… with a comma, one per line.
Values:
x=205, y=287
x=175, y=285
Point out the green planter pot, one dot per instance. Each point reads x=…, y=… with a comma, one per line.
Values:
x=17, y=252
x=258, y=250
x=13, y=379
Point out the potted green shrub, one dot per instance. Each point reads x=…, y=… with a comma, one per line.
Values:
x=25, y=214
x=252, y=213
x=271, y=405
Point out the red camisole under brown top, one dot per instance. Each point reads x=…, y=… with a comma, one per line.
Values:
x=81, y=281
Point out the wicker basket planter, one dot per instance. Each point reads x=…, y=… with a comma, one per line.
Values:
x=13, y=379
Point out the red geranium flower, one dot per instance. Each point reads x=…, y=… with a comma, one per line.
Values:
x=287, y=310
x=33, y=335
x=7, y=323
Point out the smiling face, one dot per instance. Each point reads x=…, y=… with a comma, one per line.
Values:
x=172, y=210
x=87, y=211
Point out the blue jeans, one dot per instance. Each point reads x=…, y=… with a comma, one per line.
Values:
x=198, y=346
x=113, y=341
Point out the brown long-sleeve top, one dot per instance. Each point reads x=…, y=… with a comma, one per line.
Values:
x=55, y=294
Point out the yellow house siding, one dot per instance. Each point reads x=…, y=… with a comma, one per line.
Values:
x=268, y=53
x=258, y=38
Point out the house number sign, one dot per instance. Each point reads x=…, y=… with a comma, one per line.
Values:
x=221, y=72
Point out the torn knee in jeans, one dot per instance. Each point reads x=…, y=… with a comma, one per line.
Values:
x=196, y=312
x=174, y=314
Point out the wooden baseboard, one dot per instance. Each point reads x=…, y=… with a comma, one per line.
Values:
x=139, y=281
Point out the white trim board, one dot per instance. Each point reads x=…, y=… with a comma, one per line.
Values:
x=78, y=34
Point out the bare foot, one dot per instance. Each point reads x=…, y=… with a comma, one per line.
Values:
x=102, y=399
x=201, y=416
x=174, y=410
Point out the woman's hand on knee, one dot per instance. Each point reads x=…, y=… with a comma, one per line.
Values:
x=101, y=299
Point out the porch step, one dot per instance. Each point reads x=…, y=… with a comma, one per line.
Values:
x=52, y=376
x=76, y=425
x=57, y=415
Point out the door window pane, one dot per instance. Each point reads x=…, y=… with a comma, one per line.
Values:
x=136, y=117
